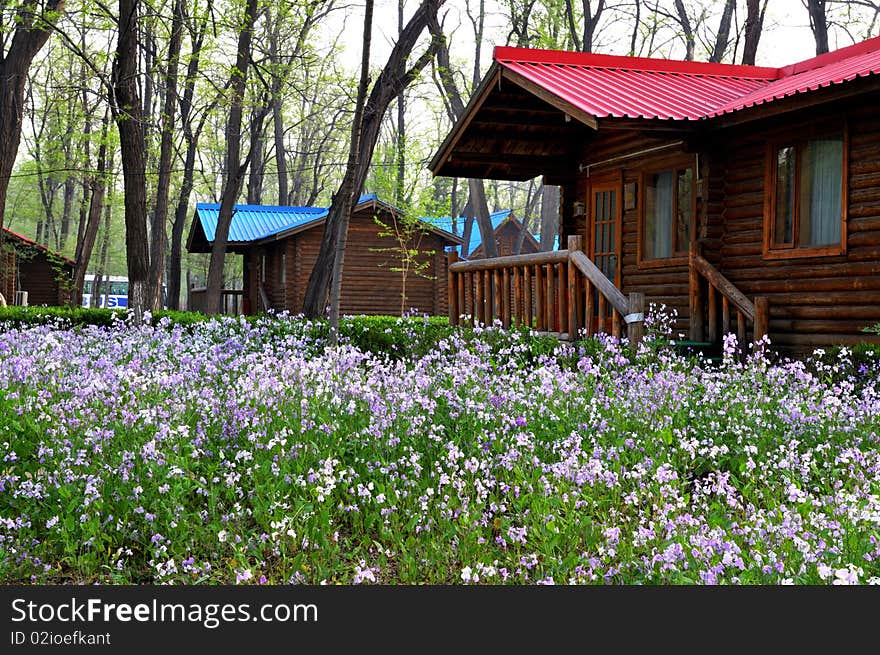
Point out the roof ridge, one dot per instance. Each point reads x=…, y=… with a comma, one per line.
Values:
x=647, y=64
x=832, y=57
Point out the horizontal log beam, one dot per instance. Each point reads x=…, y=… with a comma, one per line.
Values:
x=551, y=257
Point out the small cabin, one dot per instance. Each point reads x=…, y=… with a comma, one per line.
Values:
x=280, y=245
x=745, y=198
x=32, y=274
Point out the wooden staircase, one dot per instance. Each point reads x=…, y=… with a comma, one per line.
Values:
x=560, y=292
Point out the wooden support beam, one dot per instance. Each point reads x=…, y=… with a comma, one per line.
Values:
x=505, y=297
x=452, y=298
x=527, y=304
x=462, y=298
x=602, y=319
x=574, y=244
x=713, y=314
x=762, y=317
x=552, y=257
x=740, y=328
x=517, y=297
x=487, y=297
x=562, y=297
x=635, y=329
x=497, y=292
x=696, y=302
x=615, y=323
x=540, y=313
x=549, y=299
x=725, y=314
x=479, y=317
x=589, y=308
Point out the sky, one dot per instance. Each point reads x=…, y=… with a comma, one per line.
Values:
x=786, y=37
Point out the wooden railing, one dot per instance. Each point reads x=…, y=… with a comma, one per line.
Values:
x=231, y=301
x=560, y=292
x=705, y=316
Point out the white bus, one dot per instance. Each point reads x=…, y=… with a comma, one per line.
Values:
x=114, y=291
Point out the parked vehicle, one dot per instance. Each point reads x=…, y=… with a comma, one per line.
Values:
x=114, y=292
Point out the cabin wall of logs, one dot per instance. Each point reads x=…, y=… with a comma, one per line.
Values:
x=818, y=300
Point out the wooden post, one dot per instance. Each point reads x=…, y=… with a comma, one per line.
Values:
x=762, y=317
x=462, y=298
x=497, y=293
x=562, y=298
x=741, y=329
x=505, y=298
x=696, y=302
x=588, y=308
x=615, y=323
x=549, y=299
x=713, y=314
x=574, y=243
x=527, y=303
x=725, y=315
x=478, y=298
x=602, y=319
x=487, y=297
x=635, y=329
x=452, y=297
x=517, y=297
x=540, y=313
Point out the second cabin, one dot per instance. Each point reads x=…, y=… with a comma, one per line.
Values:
x=280, y=246
x=746, y=198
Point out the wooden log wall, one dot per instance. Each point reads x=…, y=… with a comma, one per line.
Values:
x=812, y=300
x=369, y=285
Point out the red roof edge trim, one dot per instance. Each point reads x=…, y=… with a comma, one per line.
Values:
x=504, y=54
x=832, y=57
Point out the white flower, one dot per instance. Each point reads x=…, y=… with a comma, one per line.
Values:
x=221, y=536
x=824, y=571
x=466, y=573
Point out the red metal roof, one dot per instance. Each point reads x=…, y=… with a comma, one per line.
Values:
x=633, y=87
x=40, y=246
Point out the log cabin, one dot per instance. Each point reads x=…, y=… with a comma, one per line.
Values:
x=745, y=198
x=279, y=246
x=32, y=274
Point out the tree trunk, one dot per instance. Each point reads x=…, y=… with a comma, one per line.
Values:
x=475, y=187
x=393, y=79
x=235, y=168
x=549, y=216
x=722, y=39
x=93, y=221
x=159, y=235
x=191, y=136
x=819, y=24
x=754, y=27
x=687, y=30
x=32, y=29
x=128, y=117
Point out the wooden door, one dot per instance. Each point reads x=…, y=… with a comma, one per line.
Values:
x=604, y=240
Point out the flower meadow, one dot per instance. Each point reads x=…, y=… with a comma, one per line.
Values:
x=235, y=452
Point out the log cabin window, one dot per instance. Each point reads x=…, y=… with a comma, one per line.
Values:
x=807, y=196
x=667, y=213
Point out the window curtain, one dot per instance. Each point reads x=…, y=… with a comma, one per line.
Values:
x=661, y=242
x=823, y=170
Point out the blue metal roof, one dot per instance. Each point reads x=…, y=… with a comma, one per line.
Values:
x=255, y=222
x=497, y=218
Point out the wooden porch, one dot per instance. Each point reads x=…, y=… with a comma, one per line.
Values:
x=231, y=301
x=564, y=293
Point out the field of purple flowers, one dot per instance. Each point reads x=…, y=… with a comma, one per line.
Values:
x=231, y=453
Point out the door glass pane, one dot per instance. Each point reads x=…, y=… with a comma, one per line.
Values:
x=784, y=195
